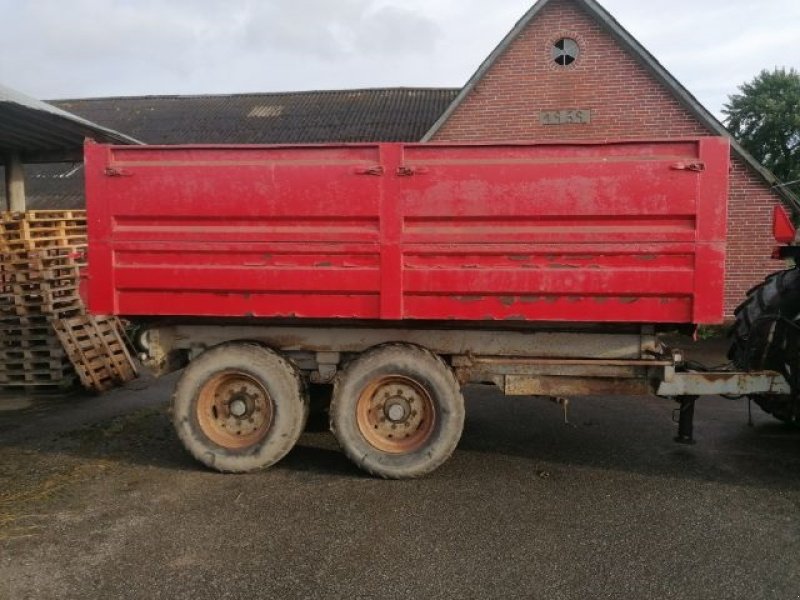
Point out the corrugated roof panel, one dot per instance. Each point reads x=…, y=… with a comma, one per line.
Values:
x=390, y=115
x=30, y=126
x=304, y=117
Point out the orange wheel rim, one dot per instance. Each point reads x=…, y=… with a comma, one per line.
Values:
x=234, y=410
x=395, y=414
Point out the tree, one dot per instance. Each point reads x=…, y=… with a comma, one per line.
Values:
x=765, y=119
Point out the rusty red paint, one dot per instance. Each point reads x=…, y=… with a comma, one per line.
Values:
x=594, y=232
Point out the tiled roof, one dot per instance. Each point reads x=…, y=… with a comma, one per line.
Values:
x=282, y=118
x=390, y=115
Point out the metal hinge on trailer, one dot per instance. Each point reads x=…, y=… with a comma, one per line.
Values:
x=376, y=170
x=409, y=171
x=695, y=166
x=116, y=172
x=401, y=171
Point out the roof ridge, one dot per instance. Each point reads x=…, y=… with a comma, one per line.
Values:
x=259, y=94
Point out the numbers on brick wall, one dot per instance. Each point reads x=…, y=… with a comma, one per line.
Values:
x=565, y=117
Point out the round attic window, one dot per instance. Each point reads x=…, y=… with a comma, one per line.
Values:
x=565, y=52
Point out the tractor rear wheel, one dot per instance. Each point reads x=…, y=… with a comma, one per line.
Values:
x=765, y=336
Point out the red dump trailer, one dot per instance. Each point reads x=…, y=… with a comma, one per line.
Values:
x=399, y=273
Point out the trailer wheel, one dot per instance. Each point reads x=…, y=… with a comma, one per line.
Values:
x=397, y=411
x=759, y=337
x=239, y=407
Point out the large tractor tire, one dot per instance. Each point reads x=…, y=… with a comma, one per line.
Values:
x=765, y=337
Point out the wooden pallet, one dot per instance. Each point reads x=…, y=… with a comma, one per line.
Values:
x=31, y=260
x=44, y=292
x=53, y=231
x=46, y=366
x=34, y=216
x=20, y=233
x=27, y=337
x=37, y=371
x=37, y=293
x=58, y=275
x=29, y=304
x=48, y=353
x=46, y=338
x=41, y=254
x=44, y=342
x=73, y=244
x=98, y=350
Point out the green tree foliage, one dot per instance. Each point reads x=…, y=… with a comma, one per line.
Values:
x=764, y=117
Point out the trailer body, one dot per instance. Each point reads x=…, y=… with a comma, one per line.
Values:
x=629, y=232
x=401, y=272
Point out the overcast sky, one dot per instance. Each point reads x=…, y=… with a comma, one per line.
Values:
x=84, y=48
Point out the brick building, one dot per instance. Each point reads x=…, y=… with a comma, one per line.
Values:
x=571, y=55
x=567, y=70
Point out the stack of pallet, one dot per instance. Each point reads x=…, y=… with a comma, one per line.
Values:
x=45, y=335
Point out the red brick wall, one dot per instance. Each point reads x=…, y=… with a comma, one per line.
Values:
x=625, y=102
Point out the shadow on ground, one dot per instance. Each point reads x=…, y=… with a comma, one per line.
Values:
x=131, y=428
x=609, y=433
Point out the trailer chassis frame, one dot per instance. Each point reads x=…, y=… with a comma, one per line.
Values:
x=522, y=362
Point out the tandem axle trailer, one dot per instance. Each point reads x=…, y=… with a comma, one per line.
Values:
x=395, y=274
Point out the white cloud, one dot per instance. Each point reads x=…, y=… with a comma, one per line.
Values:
x=117, y=47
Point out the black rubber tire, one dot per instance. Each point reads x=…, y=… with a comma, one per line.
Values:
x=777, y=296
x=429, y=371
x=277, y=375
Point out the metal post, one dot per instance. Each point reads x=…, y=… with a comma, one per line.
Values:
x=15, y=183
x=686, y=420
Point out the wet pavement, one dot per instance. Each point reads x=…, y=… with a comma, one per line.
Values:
x=99, y=500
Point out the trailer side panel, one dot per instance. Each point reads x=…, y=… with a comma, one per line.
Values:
x=594, y=232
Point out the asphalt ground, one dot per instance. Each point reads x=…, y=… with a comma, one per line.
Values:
x=99, y=500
